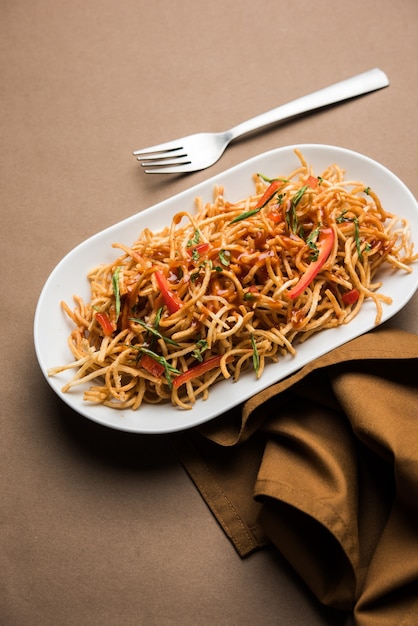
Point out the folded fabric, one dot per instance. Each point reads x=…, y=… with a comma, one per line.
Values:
x=324, y=465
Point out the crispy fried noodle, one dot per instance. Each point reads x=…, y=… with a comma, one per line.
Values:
x=231, y=287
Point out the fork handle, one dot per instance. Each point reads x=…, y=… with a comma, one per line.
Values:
x=349, y=88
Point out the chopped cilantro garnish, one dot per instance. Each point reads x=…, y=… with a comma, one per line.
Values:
x=256, y=356
x=195, y=240
x=168, y=368
x=158, y=317
x=291, y=217
x=311, y=241
x=224, y=257
x=243, y=216
x=201, y=346
x=342, y=218
x=116, y=290
x=153, y=331
x=270, y=180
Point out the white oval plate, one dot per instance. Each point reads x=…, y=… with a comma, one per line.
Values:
x=51, y=327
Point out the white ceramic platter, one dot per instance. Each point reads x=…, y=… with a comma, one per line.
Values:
x=51, y=328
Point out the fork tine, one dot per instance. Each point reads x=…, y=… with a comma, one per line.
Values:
x=175, y=169
x=168, y=146
x=154, y=161
x=149, y=159
x=160, y=159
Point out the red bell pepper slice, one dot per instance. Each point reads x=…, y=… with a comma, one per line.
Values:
x=312, y=182
x=324, y=244
x=200, y=248
x=269, y=193
x=265, y=198
x=105, y=323
x=197, y=370
x=171, y=299
x=350, y=297
x=275, y=216
x=151, y=365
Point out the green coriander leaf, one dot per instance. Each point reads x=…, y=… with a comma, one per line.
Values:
x=256, y=356
x=195, y=240
x=357, y=237
x=224, y=257
x=116, y=290
x=311, y=241
x=244, y=216
x=168, y=368
x=341, y=218
x=270, y=180
x=298, y=195
x=201, y=346
x=158, y=317
x=291, y=217
x=153, y=331
x=159, y=359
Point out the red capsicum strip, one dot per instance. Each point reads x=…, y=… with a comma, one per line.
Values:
x=275, y=216
x=151, y=365
x=200, y=248
x=269, y=193
x=171, y=299
x=350, y=297
x=312, y=182
x=105, y=323
x=197, y=370
x=265, y=198
x=324, y=244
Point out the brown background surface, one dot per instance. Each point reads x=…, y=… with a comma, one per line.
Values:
x=100, y=527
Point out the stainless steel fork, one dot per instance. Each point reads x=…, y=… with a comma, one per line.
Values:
x=201, y=150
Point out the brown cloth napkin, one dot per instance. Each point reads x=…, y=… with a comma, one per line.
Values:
x=324, y=465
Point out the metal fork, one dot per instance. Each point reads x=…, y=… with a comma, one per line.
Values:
x=201, y=150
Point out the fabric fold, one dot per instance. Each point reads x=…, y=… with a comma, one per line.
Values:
x=324, y=465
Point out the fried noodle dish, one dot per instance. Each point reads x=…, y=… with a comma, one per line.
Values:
x=230, y=287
